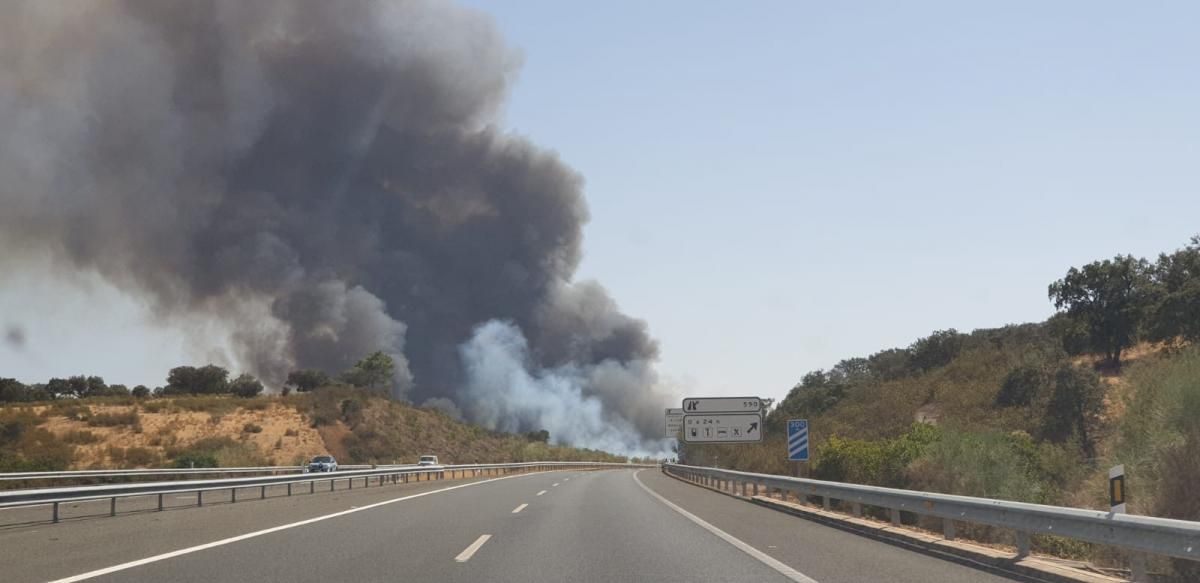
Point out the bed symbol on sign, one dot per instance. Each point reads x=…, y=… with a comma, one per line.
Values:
x=693, y=430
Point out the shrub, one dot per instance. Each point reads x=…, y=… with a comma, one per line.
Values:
x=140, y=456
x=1020, y=387
x=25, y=447
x=125, y=418
x=212, y=452
x=80, y=437
x=291, y=432
x=251, y=428
x=878, y=462
x=196, y=460
x=156, y=406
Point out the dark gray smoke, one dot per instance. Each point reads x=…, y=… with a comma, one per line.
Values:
x=14, y=337
x=322, y=176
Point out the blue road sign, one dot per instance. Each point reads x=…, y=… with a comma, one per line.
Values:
x=798, y=440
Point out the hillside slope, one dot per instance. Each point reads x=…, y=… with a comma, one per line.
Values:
x=353, y=425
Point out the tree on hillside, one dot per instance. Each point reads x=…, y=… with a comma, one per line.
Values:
x=935, y=350
x=891, y=364
x=375, y=373
x=140, y=392
x=1108, y=300
x=1020, y=387
x=308, y=380
x=205, y=380
x=246, y=386
x=1077, y=399
x=1175, y=295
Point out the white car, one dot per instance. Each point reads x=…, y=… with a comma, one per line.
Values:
x=428, y=460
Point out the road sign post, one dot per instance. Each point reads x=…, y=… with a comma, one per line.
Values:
x=674, y=418
x=1116, y=489
x=722, y=428
x=697, y=406
x=797, y=440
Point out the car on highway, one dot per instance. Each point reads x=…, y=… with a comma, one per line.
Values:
x=428, y=460
x=322, y=463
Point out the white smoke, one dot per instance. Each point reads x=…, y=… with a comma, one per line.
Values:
x=506, y=392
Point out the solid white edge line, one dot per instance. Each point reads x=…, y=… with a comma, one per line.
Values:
x=554, y=485
x=519, y=508
x=762, y=557
x=257, y=533
x=542, y=492
x=470, y=551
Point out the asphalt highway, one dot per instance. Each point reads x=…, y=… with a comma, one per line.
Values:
x=612, y=525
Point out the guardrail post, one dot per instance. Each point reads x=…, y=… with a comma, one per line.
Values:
x=1137, y=568
x=827, y=502
x=199, y=498
x=312, y=487
x=856, y=508
x=756, y=488
x=160, y=502
x=349, y=483
x=330, y=485
x=233, y=495
x=895, y=512
x=263, y=495
x=289, y=488
x=743, y=488
x=55, y=517
x=112, y=506
x=1022, y=544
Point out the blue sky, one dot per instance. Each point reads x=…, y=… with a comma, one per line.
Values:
x=778, y=185
x=775, y=186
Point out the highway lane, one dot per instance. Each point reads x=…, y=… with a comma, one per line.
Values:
x=558, y=526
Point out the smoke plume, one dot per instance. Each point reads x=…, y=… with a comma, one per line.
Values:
x=14, y=337
x=324, y=178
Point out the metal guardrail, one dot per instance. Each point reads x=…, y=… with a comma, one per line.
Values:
x=76, y=474
x=382, y=475
x=1145, y=534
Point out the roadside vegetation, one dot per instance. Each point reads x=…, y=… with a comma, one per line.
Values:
x=1029, y=412
x=201, y=419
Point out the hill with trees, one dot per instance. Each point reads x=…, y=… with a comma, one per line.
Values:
x=202, y=418
x=1033, y=412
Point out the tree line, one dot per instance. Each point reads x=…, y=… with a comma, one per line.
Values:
x=374, y=372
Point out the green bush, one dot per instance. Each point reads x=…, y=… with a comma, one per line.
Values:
x=1007, y=466
x=879, y=462
x=196, y=460
x=251, y=428
x=213, y=452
